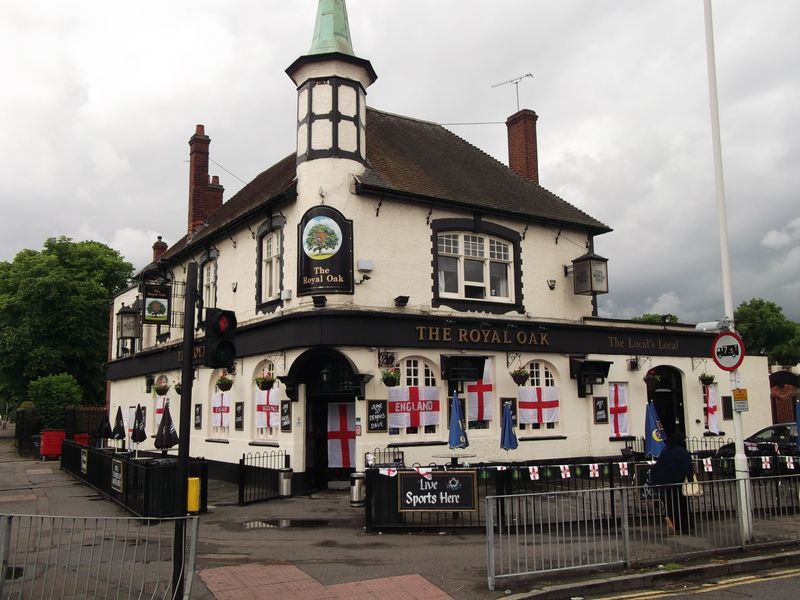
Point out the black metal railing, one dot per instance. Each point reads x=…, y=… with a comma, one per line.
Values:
x=261, y=475
x=144, y=486
x=495, y=479
x=384, y=457
x=699, y=447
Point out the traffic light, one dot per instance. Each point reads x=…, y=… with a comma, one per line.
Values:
x=220, y=350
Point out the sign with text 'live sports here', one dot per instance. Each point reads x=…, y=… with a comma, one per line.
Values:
x=440, y=490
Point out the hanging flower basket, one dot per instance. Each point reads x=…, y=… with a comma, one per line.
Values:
x=264, y=382
x=520, y=376
x=706, y=378
x=161, y=390
x=224, y=383
x=391, y=377
x=651, y=379
x=177, y=388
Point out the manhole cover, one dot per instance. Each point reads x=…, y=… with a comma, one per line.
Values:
x=285, y=523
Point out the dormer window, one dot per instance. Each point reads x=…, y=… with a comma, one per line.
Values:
x=476, y=269
x=271, y=266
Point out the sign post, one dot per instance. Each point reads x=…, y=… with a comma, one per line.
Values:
x=727, y=351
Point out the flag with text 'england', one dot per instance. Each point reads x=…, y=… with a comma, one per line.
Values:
x=538, y=404
x=618, y=408
x=712, y=408
x=267, y=408
x=341, y=434
x=221, y=410
x=480, y=396
x=413, y=406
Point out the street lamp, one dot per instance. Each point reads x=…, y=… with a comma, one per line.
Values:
x=589, y=274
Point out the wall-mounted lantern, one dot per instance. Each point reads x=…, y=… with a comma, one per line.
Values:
x=127, y=323
x=589, y=274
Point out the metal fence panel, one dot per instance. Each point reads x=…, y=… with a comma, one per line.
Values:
x=90, y=557
x=260, y=475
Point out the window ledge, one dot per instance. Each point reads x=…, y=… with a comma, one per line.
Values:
x=218, y=441
x=542, y=438
x=265, y=443
x=413, y=444
x=622, y=438
x=269, y=306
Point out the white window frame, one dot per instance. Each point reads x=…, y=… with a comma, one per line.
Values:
x=271, y=265
x=467, y=248
x=210, y=284
x=543, y=374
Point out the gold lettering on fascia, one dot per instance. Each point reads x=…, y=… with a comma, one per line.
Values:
x=642, y=344
x=464, y=335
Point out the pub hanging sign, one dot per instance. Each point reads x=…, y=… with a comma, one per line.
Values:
x=156, y=303
x=325, y=252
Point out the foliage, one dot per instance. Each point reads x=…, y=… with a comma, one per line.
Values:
x=706, y=378
x=265, y=381
x=321, y=237
x=52, y=394
x=54, y=314
x=666, y=319
x=765, y=330
x=391, y=376
x=519, y=373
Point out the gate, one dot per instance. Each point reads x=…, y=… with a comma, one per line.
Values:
x=91, y=557
x=264, y=476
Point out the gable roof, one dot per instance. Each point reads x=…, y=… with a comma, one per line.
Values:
x=409, y=157
x=415, y=160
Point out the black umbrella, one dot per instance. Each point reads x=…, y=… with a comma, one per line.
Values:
x=104, y=428
x=118, y=433
x=138, y=435
x=166, y=436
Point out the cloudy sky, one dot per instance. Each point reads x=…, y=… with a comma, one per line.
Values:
x=100, y=99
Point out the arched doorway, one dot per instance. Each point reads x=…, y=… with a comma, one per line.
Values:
x=329, y=378
x=665, y=390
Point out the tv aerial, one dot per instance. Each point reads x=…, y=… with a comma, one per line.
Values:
x=515, y=81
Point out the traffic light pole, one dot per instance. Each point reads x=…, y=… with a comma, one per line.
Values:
x=182, y=476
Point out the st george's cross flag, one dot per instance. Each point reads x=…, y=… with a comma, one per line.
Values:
x=538, y=404
x=712, y=407
x=267, y=408
x=221, y=410
x=413, y=406
x=618, y=409
x=480, y=396
x=341, y=435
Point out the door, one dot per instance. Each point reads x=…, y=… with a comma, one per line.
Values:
x=330, y=440
x=667, y=395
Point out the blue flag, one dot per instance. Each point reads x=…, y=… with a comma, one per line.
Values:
x=654, y=432
x=458, y=430
x=508, y=439
x=797, y=419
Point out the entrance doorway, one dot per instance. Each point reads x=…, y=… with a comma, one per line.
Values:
x=665, y=390
x=329, y=419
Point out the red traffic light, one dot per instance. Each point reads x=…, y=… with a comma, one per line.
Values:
x=219, y=346
x=220, y=322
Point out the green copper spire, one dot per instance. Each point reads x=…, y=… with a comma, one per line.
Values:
x=331, y=31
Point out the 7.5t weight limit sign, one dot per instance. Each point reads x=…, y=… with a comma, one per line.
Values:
x=728, y=351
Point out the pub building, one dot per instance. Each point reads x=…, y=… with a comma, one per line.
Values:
x=382, y=266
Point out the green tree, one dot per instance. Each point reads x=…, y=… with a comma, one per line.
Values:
x=54, y=314
x=321, y=237
x=51, y=394
x=766, y=330
x=666, y=319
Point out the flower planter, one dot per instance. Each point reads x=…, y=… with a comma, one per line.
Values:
x=178, y=389
x=520, y=379
x=390, y=381
x=265, y=385
x=224, y=386
x=161, y=390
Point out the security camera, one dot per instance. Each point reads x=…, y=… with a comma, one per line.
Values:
x=721, y=325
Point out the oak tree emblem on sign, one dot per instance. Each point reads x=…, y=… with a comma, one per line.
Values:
x=322, y=238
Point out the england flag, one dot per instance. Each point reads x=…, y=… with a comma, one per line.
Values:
x=618, y=408
x=712, y=407
x=221, y=410
x=341, y=434
x=480, y=396
x=267, y=408
x=538, y=405
x=413, y=406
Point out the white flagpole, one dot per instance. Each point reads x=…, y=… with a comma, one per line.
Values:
x=740, y=459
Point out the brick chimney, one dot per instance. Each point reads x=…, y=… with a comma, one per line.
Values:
x=159, y=248
x=523, y=156
x=214, y=192
x=198, y=178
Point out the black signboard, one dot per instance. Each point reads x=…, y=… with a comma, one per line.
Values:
x=156, y=307
x=116, y=475
x=238, y=416
x=198, y=416
x=286, y=416
x=600, y=409
x=445, y=490
x=376, y=415
x=84, y=461
x=325, y=240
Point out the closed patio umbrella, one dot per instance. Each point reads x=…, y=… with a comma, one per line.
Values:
x=166, y=436
x=103, y=429
x=118, y=433
x=138, y=435
x=458, y=431
x=508, y=439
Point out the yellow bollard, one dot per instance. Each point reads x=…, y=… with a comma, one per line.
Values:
x=193, y=495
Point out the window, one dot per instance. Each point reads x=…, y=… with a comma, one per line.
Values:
x=476, y=266
x=541, y=376
x=220, y=408
x=209, y=284
x=271, y=266
x=266, y=408
x=415, y=372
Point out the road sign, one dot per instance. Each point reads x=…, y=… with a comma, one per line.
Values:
x=728, y=351
x=740, y=400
